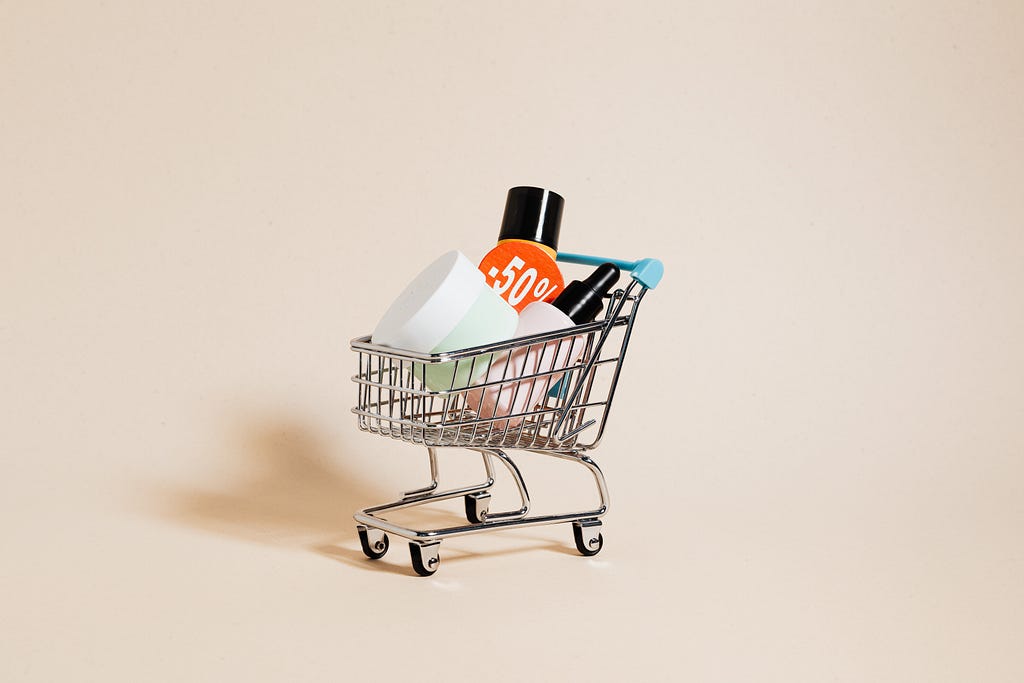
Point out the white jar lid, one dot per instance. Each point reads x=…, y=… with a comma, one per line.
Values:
x=432, y=305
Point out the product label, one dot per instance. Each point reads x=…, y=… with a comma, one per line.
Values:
x=522, y=273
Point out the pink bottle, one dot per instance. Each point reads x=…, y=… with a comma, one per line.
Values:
x=579, y=303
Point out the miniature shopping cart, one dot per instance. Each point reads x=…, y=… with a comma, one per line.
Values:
x=574, y=370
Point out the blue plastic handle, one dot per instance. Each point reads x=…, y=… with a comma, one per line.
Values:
x=646, y=271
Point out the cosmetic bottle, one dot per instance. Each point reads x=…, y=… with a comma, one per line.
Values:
x=578, y=304
x=522, y=267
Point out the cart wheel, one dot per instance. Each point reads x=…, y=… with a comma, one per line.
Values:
x=476, y=506
x=376, y=548
x=425, y=558
x=588, y=537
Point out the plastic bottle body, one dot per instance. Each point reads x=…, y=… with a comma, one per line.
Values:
x=447, y=307
x=522, y=267
x=489, y=320
x=511, y=385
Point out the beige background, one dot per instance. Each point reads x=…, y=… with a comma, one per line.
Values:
x=817, y=457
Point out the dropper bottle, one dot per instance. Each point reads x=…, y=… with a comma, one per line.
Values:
x=581, y=300
x=579, y=303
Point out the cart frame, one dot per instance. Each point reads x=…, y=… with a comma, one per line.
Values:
x=394, y=401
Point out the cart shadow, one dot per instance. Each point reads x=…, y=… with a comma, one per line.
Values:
x=287, y=491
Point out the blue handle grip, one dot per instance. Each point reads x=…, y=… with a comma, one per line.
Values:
x=646, y=271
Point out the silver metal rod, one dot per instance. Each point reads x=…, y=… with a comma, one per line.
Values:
x=432, y=455
x=520, y=484
x=368, y=517
x=427, y=494
x=447, y=532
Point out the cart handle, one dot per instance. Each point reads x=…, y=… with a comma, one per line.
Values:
x=646, y=271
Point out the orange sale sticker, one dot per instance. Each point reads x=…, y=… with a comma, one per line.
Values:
x=522, y=272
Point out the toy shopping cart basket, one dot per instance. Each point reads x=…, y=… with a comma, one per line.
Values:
x=547, y=393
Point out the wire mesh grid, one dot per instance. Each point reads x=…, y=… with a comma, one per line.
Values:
x=549, y=391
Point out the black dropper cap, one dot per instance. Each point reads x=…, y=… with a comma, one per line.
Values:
x=581, y=301
x=533, y=214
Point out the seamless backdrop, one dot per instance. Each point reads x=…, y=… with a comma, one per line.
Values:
x=817, y=452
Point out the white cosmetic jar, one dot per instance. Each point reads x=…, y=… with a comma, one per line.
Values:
x=432, y=305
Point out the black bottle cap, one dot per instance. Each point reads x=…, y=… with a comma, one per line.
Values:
x=533, y=214
x=582, y=301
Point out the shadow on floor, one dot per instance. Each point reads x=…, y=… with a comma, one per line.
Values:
x=288, y=491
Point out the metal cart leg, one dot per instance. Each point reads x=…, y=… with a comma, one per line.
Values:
x=517, y=476
x=432, y=456
x=424, y=544
x=477, y=494
x=429, y=492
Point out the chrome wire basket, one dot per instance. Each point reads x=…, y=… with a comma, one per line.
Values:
x=548, y=393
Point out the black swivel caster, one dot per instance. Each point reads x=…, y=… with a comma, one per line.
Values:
x=425, y=558
x=587, y=534
x=476, y=506
x=374, y=542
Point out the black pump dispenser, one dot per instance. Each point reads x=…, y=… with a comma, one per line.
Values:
x=582, y=300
